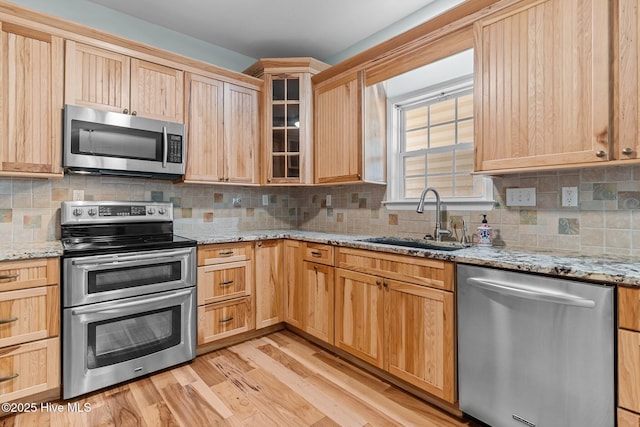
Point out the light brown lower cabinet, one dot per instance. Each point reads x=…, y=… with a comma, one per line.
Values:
x=29, y=368
x=628, y=419
x=224, y=319
x=405, y=326
x=309, y=288
x=225, y=291
x=30, y=318
x=268, y=271
x=318, y=287
x=359, y=316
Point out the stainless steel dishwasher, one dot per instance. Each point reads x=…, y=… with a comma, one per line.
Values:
x=534, y=350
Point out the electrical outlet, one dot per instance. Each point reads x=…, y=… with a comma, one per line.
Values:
x=569, y=197
x=521, y=196
x=236, y=202
x=265, y=200
x=78, y=195
x=328, y=199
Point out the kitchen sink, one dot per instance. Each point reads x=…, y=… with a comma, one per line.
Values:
x=415, y=243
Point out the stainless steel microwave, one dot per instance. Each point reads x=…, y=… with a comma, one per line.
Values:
x=102, y=142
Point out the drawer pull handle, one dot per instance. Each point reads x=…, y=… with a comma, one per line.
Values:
x=226, y=253
x=4, y=321
x=228, y=319
x=316, y=254
x=226, y=283
x=8, y=378
x=9, y=276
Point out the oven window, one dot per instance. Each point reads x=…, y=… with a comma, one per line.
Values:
x=128, y=277
x=117, y=340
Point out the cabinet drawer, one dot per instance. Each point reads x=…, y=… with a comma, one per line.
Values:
x=29, y=369
x=629, y=370
x=29, y=315
x=629, y=308
x=628, y=419
x=228, y=252
x=221, y=282
x=216, y=321
x=421, y=271
x=319, y=253
x=29, y=273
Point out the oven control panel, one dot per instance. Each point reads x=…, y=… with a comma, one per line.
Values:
x=110, y=212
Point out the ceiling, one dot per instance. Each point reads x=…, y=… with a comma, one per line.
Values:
x=273, y=28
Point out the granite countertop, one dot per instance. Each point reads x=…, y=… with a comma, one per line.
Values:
x=17, y=251
x=607, y=269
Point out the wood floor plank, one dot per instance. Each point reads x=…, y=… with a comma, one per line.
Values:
x=397, y=412
x=123, y=408
x=329, y=405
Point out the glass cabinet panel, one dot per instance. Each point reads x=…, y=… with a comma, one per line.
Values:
x=285, y=129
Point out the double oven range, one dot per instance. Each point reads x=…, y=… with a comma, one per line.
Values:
x=128, y=293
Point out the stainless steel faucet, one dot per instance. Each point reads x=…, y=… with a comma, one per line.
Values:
x=439, y=232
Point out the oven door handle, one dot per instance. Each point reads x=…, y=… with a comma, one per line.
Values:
x=101, y=260
x=123, y=307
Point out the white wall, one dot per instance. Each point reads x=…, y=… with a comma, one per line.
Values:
x=423, y=15
x=449, y=68
x=110, y=21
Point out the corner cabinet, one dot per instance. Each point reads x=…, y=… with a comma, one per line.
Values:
x=221, y=132
x=309, y=288
x=542, y=85
x=106, y=80
x=269, y=278
x=31, y=102
x=287, y=118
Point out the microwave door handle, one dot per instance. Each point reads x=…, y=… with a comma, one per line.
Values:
x=165, y=146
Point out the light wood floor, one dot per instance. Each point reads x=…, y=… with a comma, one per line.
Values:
x=278, y=380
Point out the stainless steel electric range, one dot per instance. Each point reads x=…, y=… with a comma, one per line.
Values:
x=128, y=293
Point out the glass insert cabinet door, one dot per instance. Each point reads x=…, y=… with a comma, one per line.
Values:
x=285, y=127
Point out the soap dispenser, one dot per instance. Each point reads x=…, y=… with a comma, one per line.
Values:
x=484, y=232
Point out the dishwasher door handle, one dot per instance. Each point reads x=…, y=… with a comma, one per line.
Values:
x=531, y=293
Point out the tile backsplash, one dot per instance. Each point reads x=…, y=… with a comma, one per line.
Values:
x=606, y=220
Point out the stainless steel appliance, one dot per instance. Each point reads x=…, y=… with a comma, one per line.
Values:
x=535, y=351
x=101, y=142
x=129, y=295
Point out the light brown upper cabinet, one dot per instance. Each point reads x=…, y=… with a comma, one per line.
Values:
x=542, y=85
x=349, y=144
x=31, y=102
x=105, y=80
x=287, y=118
x=222, y=132
x=627, y=80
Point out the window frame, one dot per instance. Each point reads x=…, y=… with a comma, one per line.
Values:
x=396, y=153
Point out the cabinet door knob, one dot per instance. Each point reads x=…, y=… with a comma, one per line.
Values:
x=125, y=111
x=627, y=151
x=378, y=283
x=134, y=113
x=601, y=153
x=259, y=244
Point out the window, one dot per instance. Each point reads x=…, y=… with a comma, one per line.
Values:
x=431, y=145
